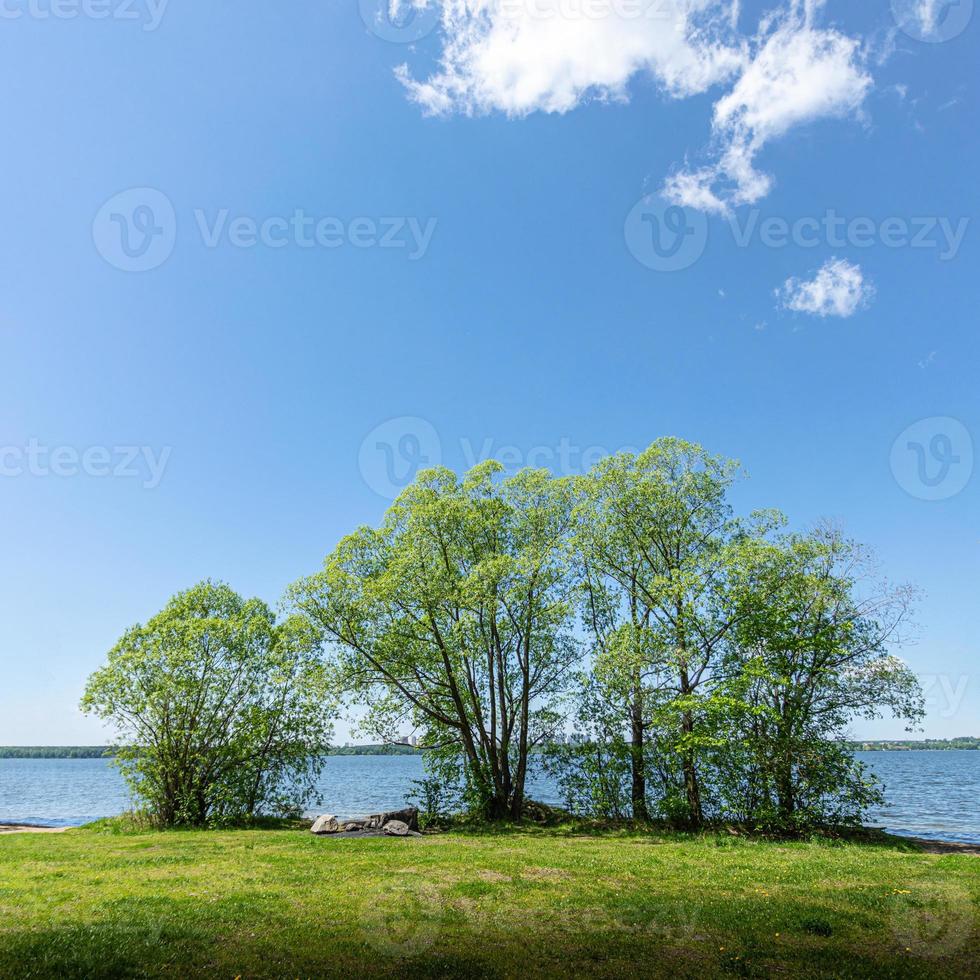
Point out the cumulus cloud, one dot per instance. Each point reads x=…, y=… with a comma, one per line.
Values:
x=838, y=288
x=797, y=73
x=523, y=56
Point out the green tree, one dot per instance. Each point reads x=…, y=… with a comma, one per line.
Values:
x=221, y=712
x=655, y=537
x=456, y=616
x=813, y=653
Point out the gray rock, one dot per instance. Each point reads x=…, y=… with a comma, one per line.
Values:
x=327, y=824
x=409, y=815
x=397, y=828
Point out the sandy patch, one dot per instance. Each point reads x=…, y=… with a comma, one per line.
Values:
x=26, y=828
x=946, y=847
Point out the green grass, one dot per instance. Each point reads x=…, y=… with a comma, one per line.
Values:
x=536, y=903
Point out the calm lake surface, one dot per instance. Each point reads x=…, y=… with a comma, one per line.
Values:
x=931, y=794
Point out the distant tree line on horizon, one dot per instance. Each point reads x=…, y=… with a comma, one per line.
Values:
x=711, y=662
x=107, y=751
x=924, y=744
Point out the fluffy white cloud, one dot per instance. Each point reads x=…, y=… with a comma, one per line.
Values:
x=838, y=289
x=522, y=56
x=797, y=73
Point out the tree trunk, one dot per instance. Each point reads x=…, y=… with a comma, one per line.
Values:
x=692, y=784
x=692, y=788
x=637, y=761
x=517, y=803
x=785, y=792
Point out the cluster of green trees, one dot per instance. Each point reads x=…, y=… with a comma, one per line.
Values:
x=222, y=712
x=713, y=661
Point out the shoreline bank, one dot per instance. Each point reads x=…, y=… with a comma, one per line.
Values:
x=927, y=845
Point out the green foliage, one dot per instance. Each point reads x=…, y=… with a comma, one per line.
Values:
x=656, y=541
x=728, y=660
x=438, y=798
x=222, y=713
x=456, y=617
x=811, y=653
x=712, y=662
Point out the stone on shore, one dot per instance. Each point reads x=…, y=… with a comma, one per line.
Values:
x=409, y=815
x=394, y=823
x=326, y=824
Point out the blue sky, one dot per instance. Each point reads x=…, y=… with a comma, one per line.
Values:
x=253, y=271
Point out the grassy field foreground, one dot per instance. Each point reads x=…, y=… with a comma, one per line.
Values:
x=536, y=903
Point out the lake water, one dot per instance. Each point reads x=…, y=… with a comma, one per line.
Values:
x=931, y=794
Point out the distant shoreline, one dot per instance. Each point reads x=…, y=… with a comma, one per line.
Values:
x=102, y=751
x=912, y=745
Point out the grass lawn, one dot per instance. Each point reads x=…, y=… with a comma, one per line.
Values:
x=281, y=903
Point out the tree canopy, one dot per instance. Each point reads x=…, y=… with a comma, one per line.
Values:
x=221, y=712
x=711, y=661
x=456, y=617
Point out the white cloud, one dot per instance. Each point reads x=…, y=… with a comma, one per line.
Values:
x=523, y=56
x=838, y=289
x=797, y=73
